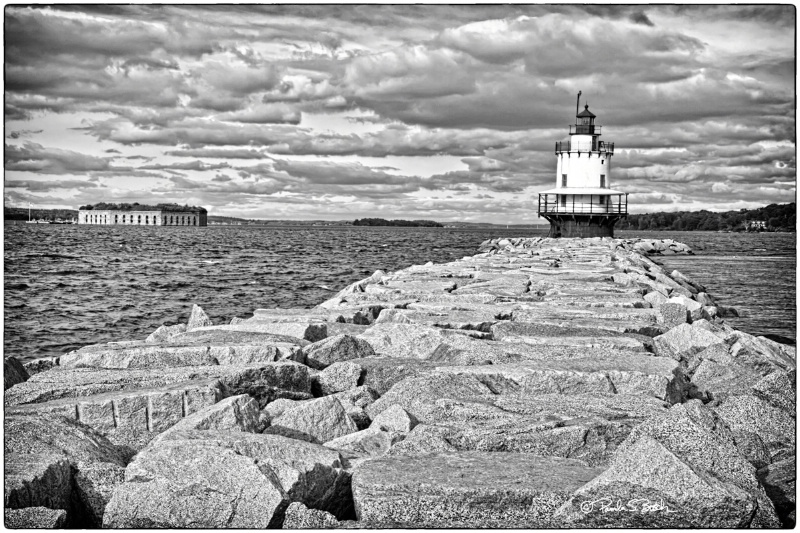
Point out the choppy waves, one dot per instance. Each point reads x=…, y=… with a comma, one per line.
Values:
x=69, y=286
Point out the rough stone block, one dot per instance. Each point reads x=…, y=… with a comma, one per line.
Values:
x=305, y=472
x=650, y=486
x=779, y=390
x=198, y=318
x=394, y=418
x=178, y=486
x=700, y=438
x=298, y=516
x=466, y=489
x=311, y=332
x=94, y=486
x=776, y=427
x=338, y=377
x=237, y=413
x=655, y=298
x=165, y=333
x=35, y=518
x=317, y=421
x=371, y=442
x=684, y=341
x=780, y=482
x=336, y=349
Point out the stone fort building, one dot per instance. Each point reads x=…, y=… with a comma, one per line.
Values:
x=143, y=215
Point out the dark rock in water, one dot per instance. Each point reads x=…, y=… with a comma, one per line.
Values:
x=466, y=489
x=780, y=482
x=317, y=421
x=727, y=312
x=335, y=349
x=35, y=518
x=198, y=319
x=13, y=372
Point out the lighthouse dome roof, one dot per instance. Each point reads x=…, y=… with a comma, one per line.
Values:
x=586, y=112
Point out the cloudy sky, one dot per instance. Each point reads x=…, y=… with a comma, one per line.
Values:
x=436, y=112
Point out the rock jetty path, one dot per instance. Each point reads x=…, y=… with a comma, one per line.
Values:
x=539, y=383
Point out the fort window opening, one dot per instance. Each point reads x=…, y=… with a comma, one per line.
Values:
x=139, y=220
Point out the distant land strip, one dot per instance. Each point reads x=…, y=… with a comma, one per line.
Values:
x=384, y=222
x=774, y=217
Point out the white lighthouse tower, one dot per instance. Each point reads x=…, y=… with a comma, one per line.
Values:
x=583, y=204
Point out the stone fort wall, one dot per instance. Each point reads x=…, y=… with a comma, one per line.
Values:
x=142, y=218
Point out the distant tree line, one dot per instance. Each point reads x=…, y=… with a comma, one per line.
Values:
x=776, y=217
x=21, y=213
x=103, y=206
x=384, y=222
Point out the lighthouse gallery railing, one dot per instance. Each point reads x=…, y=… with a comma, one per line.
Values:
x=597, y=146
x=552, y=203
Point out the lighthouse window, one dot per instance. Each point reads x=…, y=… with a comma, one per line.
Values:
x=563, y=200
x=602, y=180
x=563, y=180
x=602, y=200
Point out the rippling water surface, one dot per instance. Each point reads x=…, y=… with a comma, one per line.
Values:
x=68, y=286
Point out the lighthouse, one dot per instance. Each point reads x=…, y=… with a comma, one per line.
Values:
x=583, y=204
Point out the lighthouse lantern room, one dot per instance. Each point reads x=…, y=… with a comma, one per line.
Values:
x=583, y=204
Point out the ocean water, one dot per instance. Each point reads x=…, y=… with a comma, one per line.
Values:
x=68, y=286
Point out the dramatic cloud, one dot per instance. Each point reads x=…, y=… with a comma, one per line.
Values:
x=426, y=111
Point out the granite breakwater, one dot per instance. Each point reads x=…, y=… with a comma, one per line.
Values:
x=539, y=383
